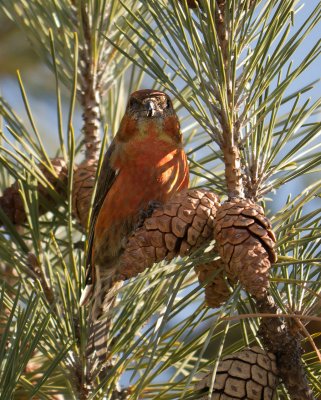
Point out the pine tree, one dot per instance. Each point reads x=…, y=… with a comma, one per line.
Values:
x=182, y=326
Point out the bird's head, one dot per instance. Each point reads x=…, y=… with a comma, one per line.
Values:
x=150, y=115
x=149, y=103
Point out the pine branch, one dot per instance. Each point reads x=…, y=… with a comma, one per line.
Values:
x=90, y=90
x=283, y=339
x=230, y=125
x=39, y=273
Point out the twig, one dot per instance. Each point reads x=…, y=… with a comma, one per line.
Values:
x=230, y=126
x=37, y=270
x=271, y=315
x=283, y=339
x=309, y=337
x=90, y=93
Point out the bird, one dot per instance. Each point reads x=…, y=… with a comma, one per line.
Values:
x=144, y=166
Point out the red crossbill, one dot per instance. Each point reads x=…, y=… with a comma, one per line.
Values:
x=145, y=163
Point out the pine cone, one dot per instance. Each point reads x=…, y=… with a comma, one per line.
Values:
x=216, y=289
x=245, y=242
x=247, y=374
x=176, y=228
x=11, y=201
x=84, y=182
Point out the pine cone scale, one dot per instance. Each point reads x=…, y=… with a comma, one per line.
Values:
x=171, y=210
x=243, y=222
x=178, y=227
x=157, y=239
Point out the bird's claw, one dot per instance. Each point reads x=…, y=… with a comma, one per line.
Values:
x=147, y=212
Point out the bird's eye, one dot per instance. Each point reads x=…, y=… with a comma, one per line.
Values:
x=168, y=104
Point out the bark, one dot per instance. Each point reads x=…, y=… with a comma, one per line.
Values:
x=90, y=92
x=281, y=339
x=228, y=117
x=233, y=172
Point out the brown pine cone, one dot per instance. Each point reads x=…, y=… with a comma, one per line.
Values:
x=245, y=242
x=247, y=374
x=84, y=182
x=216, y=289
x=11, y=201
x=178, y=227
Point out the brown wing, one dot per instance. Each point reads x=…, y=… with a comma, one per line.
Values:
x=105, y=181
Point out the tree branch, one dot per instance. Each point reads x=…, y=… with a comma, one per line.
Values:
x=90, y=91
x=37, y=269
x=230, y=125
x=283, y=340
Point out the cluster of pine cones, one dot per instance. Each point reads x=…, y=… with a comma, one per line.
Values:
x=244, y=248
x=244, y=251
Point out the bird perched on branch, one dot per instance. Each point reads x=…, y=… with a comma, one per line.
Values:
x=144, y=165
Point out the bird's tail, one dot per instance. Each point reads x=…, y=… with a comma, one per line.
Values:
x=97, y=353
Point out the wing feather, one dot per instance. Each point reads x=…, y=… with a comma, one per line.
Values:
x=106, y=179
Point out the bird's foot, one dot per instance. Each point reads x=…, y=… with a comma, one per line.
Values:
x=147, y=212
